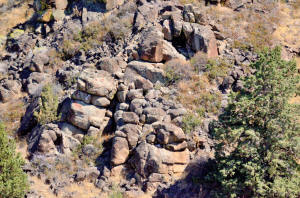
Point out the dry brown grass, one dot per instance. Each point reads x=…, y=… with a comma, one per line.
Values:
x=248, y=27
x=288, y=32
x=12, y=112
x=40, y=187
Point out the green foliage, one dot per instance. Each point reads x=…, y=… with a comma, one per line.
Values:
x=190, y=122
x=258, y=135
x=115, y=193
x=48, y=104
x=216, y=68
x=13, y=181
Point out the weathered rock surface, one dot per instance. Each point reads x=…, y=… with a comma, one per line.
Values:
x=9, y=89
x=84, y=115
x=97, y=82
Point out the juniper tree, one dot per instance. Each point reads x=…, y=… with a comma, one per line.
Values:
x=13, y=181
x=258, y=135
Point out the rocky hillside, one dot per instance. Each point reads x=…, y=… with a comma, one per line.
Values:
x=115, y=98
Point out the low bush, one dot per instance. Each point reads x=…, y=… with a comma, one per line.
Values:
x=190, y=121
x=48, y=105
x=177, y=70
x=216, y=68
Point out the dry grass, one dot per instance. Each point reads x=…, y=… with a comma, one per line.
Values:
x=40, y=187
x=12, y=112
x=288, y=31
x=246, y=28
x=82, y=190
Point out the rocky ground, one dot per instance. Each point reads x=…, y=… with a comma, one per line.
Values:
x=116, y=99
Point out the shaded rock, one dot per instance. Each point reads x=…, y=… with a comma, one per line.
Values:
x=167, y=30
x=152, y=46
x=142, y=83
x=148, y=159
x=79, y=95
x=177, y=146
x=40, y=59
x=203, y=39
x=135, y=93
x=176, y=112
x=130, y=117
x=132, y=132
x=36, y=82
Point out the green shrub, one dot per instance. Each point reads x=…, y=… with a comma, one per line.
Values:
x=190, y=121
x=48, y=103
x=216, y=68
x=258, y=135
x=115, y=193
x=13, y=181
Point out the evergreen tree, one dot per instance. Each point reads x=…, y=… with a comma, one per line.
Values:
x=13, y=181
x=258, y=135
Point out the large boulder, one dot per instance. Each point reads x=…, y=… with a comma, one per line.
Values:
x=97, y=82
x=120, y=151
x=155, y=49
x=148, y=159
x=203, y=39
x=146, y=70
x=168, y=133
x=84, y=115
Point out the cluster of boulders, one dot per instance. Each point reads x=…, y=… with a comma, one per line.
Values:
x=117, y=89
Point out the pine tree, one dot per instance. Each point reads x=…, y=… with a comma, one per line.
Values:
x=258, y=135
x=13, y=181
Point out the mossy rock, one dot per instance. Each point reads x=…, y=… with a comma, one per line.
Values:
x=16, y=33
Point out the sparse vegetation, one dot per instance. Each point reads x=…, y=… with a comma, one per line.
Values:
x=11, y=115
x=194, y=81
x=190, y=122
x=48, y=104
x=115, y=193
x=177, y=70
x=13, y=181
x=115, y=26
